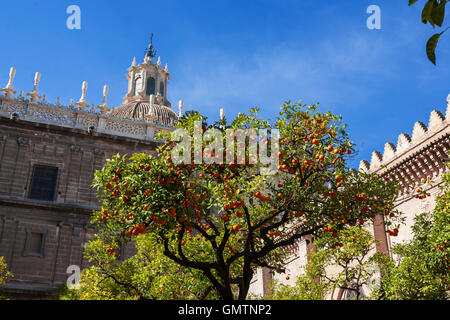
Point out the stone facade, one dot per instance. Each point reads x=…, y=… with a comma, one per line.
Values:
x=40, y=239
x=417, y=160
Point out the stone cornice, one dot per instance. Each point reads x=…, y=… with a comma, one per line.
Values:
x=443, y=135
x=74, y=131
x=63, y=116
x=423, y=138
x=47, y=205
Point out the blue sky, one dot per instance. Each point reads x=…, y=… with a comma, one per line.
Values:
x=240, y=54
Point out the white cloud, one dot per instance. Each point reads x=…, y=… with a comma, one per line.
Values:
x=333, y=71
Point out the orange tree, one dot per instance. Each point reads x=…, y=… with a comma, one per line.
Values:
x=225, y=219
x=5, y=275
x=147, y=275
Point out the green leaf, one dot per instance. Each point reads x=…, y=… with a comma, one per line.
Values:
x=427, y=11
x=431, y=46
x=438, y=13
x=411, y=2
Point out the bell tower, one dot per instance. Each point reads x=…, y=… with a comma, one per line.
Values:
x=148, y=80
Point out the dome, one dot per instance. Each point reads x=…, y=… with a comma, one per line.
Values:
x=144, y=111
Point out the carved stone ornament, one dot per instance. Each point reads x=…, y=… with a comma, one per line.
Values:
x=99, y=152
x=21, y=141
x=75, y=148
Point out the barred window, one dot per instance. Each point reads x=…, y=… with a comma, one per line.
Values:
x=151, y=85
x=43, y=183
x=161, y=88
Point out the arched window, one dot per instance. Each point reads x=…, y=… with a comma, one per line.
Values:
x=137, y=86
x=150, y=86
x=161, y=88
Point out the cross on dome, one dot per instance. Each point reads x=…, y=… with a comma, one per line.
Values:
x=150, y=52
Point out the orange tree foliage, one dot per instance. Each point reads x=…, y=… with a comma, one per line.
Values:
x=5, y=275
x=227, y=219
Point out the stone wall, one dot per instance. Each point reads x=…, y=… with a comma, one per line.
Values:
x=416, y=160
x=63, y=222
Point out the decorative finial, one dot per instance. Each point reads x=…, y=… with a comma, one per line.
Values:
x=105, y=93
x=133, y=64
x=150, y=52
x=71, y=103
x=104, y=107
x=166, y=69
x=82, y=102
x=58, y=101
x=34, y=95
x=44, y=99
x=180, y=108
x=12, y=74
x=37, y=79
x=222, y=118
x=8, y=90
x=159, y=61
x=20, y=97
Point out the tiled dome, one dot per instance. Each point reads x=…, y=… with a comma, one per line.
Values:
x=144, y=111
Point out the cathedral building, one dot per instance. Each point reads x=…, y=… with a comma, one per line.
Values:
x=48, y=155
